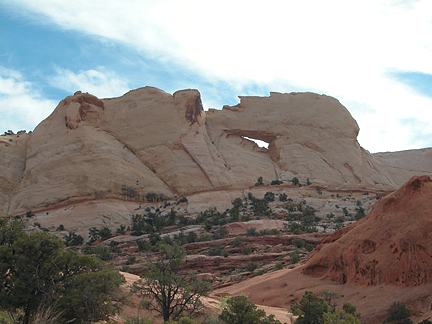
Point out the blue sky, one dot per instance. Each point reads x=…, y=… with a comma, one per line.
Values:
x=374, y=56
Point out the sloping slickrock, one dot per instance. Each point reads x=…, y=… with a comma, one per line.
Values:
x=405, y=164
x=309, y=135
x=392, y=245
x=12, y=166
x=149, y=145
x=70, y=159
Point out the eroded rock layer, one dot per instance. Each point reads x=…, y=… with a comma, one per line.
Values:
x=149, y=145
x=392, y=245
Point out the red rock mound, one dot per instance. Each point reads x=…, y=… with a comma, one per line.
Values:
x=392, y=245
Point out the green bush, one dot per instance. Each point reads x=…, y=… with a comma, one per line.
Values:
x=294, y=257
x=299, y=243
x=247, y=250
x=269, y=196
x=73, y=239
x=121, y=230
x=279, y=266
x=398, y=314
x=237, y=203
x=215, y=250
x=251, y=266
x=131, y=260
x=205, y=238
x=239, y=310
x=183, y=320
x=251, y=231
x=309, y=247
x=138, y=320
x=237, y=241
x=276, y=182
x=259, y=182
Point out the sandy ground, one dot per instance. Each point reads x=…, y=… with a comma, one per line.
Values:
x=212, y=302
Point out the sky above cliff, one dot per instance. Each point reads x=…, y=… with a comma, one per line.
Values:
x=374, y=56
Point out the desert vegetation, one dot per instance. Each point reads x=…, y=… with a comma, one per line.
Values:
x=163, y=241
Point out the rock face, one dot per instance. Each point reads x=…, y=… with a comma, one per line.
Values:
x=406, y=164
x=392, y=245
x=150, y=145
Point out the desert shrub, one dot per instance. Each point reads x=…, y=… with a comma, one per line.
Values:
x=309, y=247
x=269, y=196
x=299, y=243
x=260, y=207
x=138, y=320
x=237, y=203
x=208, y=226
x=103, y=252
x=182, y=200
x=114, y=246
x=73, y=239
x=191, y=237
x=215, y=250
x=294, y=257
x=339, y=219
x=239, y=310
x=251, y=266
x=221, y=233
x=121, y=230
x=97, y=234
x=283, y=197
x=143, y=245
x=131, y=260
x=247, y=250
x=237, y=241
x=398, y=314
x=205, y=238
x=276, y=182
x=251, y=231
x=259, y=182
x=310, y=309
x=272, y=231
x=278, y=266
x=183, y=320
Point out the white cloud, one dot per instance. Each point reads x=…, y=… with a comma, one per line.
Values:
x=337, y=47
x=101, y=83
x=21, y=106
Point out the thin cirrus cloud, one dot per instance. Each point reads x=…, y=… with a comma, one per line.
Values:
x=101, y=83
x=341, y=48
x=23, y=106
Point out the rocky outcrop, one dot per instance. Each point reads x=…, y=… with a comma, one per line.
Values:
x=405, y=164
x=150, y=145
x=309, y=135
x=12, y=166
x=392, y=245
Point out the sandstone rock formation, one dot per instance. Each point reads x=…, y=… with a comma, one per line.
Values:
x=405, y=164
x=150, y=145
x=392, y=245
